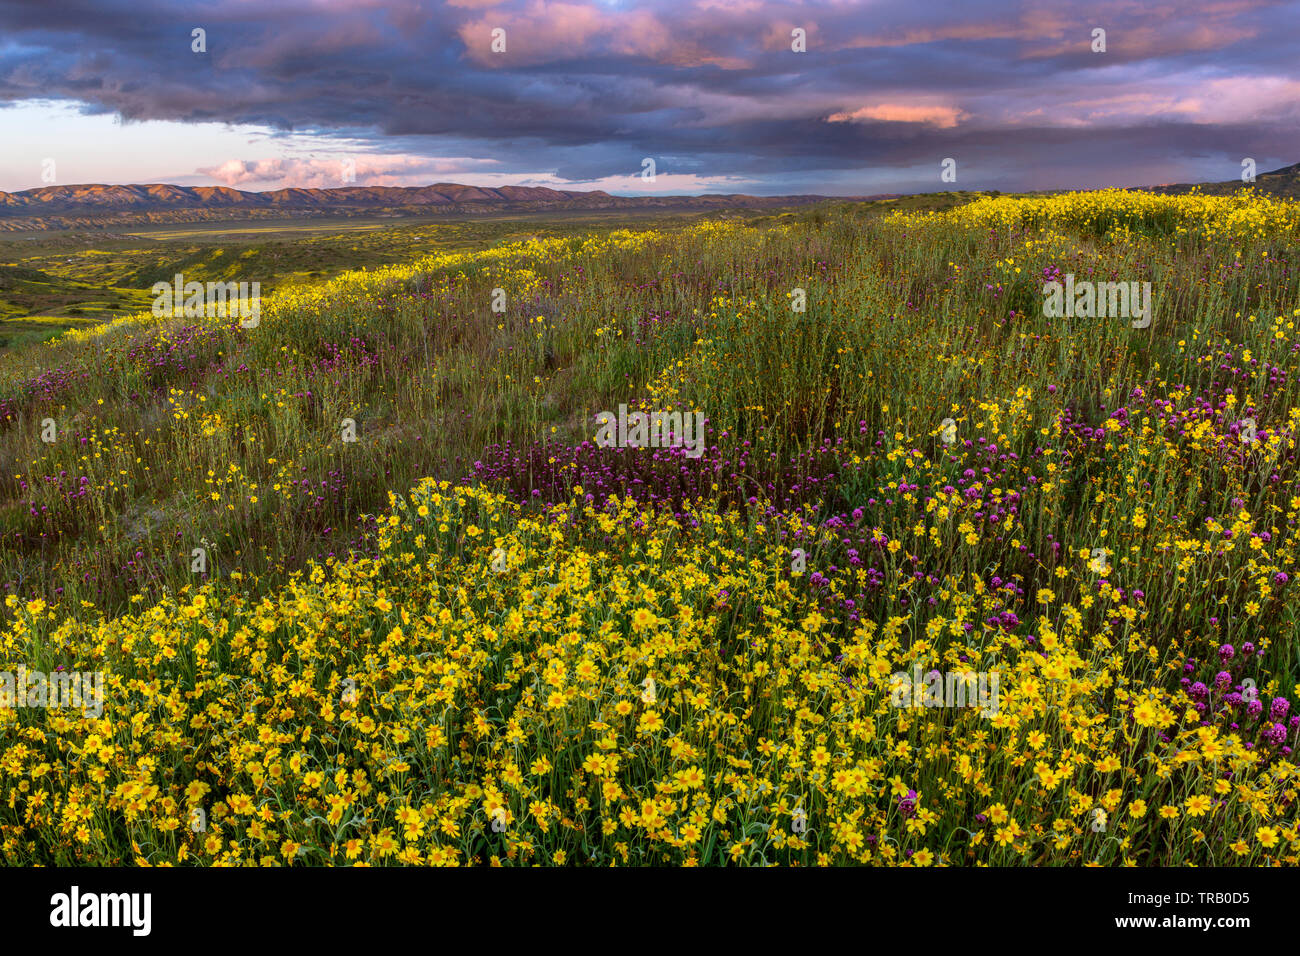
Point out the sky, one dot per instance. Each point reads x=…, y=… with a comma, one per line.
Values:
x=321, y=93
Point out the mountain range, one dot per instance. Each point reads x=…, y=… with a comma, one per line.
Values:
x=100, y=206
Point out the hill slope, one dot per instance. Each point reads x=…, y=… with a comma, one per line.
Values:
x=1283, y=183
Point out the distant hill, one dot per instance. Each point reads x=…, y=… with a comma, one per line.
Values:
x=1283, y=183
x=101, y=206
x=98, y=206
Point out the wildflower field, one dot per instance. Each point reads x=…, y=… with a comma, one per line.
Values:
x=474, y=636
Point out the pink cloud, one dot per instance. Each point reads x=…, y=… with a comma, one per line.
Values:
x=943, y=117
x=546, y=31
x=320, y=173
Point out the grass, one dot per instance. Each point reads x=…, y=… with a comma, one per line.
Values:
x=471, y=615
x=70, y=280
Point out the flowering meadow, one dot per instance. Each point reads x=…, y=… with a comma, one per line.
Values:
x=475, y=636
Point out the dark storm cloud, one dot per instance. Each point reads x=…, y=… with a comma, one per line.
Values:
x=1013, y=91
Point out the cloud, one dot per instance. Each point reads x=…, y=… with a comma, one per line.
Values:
x=709, y=88
x=548, y=31
x=342, y=170
x=944, y=117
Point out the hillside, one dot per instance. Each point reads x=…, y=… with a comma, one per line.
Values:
x=1282, y=183
x=363, y=583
